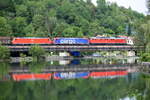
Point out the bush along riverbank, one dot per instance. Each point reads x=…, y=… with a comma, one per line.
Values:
x=4, y=53
x=37, y=52
x=145, y=57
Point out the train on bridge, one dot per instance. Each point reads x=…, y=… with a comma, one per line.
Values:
x=66, y=41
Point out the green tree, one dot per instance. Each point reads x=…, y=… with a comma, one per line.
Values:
x=21, y=10
x=143, y=34
x=38, y=23
x=4, y=52
x=29, y=30
x=60, y=27
x=5, y=28
x=5, y=4
x=145, y=57
x=51, y=24
x=72, y=31
x=18, y=25
x=37, y=52
x=95, y=29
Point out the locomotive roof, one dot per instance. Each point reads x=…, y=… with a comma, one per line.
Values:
x=107, y=38
x=31, y=37
x=69, y=38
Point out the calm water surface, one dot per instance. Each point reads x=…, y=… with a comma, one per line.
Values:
x=118, y=84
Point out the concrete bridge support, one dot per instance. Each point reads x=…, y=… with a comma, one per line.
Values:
x=131, y=54
x=131, y=60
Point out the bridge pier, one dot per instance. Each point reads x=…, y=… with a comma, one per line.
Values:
x=131, y=60
x=131, y=54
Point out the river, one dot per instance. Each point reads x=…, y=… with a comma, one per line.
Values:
x=104, y=78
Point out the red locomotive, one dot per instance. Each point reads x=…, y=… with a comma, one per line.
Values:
x=31, y=40
x=107, y=40
x=40, y=76
x=108, y=74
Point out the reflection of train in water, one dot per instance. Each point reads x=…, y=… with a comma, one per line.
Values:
x=68, y=41
x=67, y=75
x=70, y=75
x=31, y=76
x=108, y=74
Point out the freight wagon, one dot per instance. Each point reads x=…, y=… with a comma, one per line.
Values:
x=71, y=75
x=31, y=40
x=71, y=41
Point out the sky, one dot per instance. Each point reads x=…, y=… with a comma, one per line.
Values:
x=137, y=5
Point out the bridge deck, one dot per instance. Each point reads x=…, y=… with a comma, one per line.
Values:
x=78, y=47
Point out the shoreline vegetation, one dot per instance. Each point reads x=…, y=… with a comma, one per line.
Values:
x=4, y=53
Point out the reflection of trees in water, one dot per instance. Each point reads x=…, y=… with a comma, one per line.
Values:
x=6, y=90
x=146, y=88
x=4, y=69
x=37, y=66
x=77, y=89
x=104, y=61
x=139, y=88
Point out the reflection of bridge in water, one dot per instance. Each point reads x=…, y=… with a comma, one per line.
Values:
x=80, y=68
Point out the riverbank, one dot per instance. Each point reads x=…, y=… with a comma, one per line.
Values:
x=58, y=58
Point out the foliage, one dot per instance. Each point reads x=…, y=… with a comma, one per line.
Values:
x=4, y=69
x=145, y=57
x=70, y=18
x=143, y=33
x=142, y=38
x=4, y=52
x=4, y=27
x=37, y=52
x=37, y=66
x=23, y=59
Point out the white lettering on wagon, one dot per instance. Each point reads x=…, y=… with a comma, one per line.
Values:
x=68, y=75
x=67, y=41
